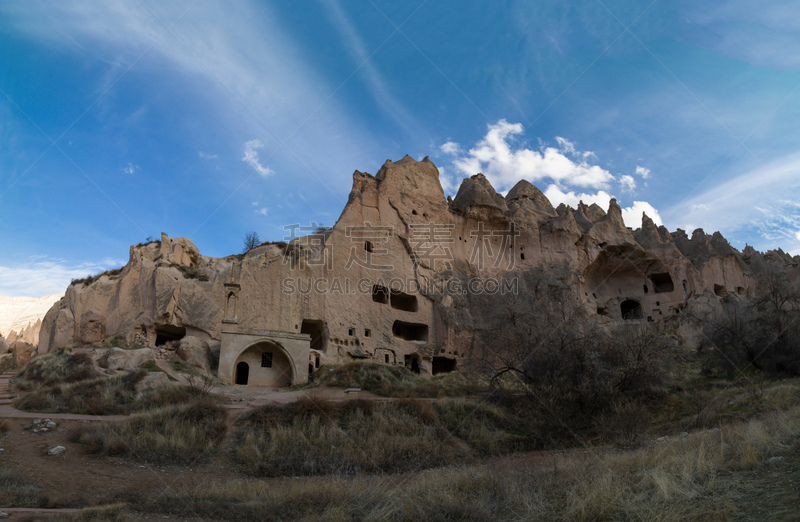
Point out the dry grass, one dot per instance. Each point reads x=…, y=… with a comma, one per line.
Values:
x=178, y=434
x=698, y=476
x=64, y=382
x=313, y=436
x=17, y=490
x=398, y=381
x=55, y=368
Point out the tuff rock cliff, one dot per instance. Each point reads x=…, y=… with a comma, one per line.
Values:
x=394, y=280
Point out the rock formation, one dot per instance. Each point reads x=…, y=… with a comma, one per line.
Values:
x=21, y=317
x=393, y=281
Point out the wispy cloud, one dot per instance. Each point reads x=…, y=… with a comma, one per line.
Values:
x=643, y=172
x=45, y=276
x=380, y=91
x=207, y=156
x=627, y=182
x=250, y=157
x=762, y=201
x=130, y=168
x=261, y=211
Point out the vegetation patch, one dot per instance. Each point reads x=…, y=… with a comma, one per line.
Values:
x=17, y=490
x=184, y=434
x=707, y=475
x=314, y=436
x=398, y=381
x=55, y=368
x=193, y=272
x=85, y=281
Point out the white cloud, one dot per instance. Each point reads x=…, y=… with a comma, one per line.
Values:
x=262, y=211
x=47, y=276
x=632, y=216
x=130, y=168
x=797, y=235
x=643, y=172
x=451, y=148
x=251, y=157
x=255, y=203
x=503, y=163
x=628, y=183
x=207, y=156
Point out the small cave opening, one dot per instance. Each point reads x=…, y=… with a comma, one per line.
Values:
x=405, y=302
x=316, y=329
x=720, y=291
x=631, y=310
x=412, y=362
x=443, y=365
x=410, y=331
x=166, y=333
x=662, y=283
x=380, y=294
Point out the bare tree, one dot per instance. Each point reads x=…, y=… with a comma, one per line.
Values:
x=251, y=240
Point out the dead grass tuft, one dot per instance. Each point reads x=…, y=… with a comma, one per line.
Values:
x=182, y=434
x=314, y=436
x=398, y=381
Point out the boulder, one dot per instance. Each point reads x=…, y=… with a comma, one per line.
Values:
x=22, y=351
x=93, y=326
x=153, y=380
x=3, y=346
x=195, y=352
x=119, y=359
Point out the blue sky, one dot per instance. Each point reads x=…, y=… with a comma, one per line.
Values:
x=120, y=120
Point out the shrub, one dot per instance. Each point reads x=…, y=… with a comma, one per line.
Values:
x=54, y=368
x=182, y=434
x=398, y=381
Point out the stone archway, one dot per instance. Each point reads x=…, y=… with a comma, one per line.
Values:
x=269, y=365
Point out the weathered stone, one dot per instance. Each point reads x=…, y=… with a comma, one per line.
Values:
x=58, y=450
x=195, y=352
x=282, y=330
x=3, y=346
x=93, y=326
x=119, y=359
x=22, y=351
x=153, y=380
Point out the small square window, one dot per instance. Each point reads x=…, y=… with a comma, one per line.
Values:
x=266, y=359
x=368, y=246
x=351, y=331
x=367, y=332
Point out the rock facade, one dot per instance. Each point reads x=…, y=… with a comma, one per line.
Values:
x=393, y=281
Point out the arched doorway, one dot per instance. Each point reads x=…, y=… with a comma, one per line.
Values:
x=242, y=373
x=631, y=310
x=268, y=365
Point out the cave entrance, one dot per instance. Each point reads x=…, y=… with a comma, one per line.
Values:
x=166, y=333
x=242, y=373
x=401, y=301
x=410, y=331
x=443, y=365
x=316, y=329
x=631, y=310
x=412, y=362
x=662, y=283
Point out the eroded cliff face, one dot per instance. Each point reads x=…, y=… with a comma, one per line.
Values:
x=395, y=279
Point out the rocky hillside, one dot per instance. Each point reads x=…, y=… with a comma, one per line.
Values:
x=402, y=276
x=21, y=317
